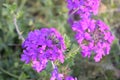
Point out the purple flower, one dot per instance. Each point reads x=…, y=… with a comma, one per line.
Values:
x=43, y=45
x=39, y=65
x=83, y=25
x=56, y=75
x=70, y=78
x=83, y=6
x=93, y=5
x=91, y=35
x=97, y=40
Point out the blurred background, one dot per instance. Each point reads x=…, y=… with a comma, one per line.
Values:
x=35, y=14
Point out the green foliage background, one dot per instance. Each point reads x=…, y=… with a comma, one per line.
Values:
x=35, y=14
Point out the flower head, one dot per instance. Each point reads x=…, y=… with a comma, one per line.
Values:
x=70, y=78
x=96, y=38
x=56, y=75
x=83, y=6
x=43, y=45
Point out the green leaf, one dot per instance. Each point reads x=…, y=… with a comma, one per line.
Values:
x=67, y=40
x=11, y=8
x=49, y=67
x=23, y=76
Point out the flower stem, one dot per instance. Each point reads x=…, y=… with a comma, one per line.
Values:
x=8, y=73
x=53, y=64
x=17, y=29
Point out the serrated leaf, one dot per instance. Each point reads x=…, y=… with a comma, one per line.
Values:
x=11, y=8
x=67, y=40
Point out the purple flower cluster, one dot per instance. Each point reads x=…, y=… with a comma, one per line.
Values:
x=57, y=76
x=83, y=6
x=92, y=35
x=70, y=78
x=47, y=44
x=95, y=38
x=41, y=46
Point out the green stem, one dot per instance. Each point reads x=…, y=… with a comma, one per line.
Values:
x=8, y=73
x=1, y=2
x=17, y=29
x=53, y=65
x=70, y=55
x=22, y=5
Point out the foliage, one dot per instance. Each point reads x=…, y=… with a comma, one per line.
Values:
x=35, y=14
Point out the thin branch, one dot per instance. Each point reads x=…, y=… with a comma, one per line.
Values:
x=106, y=66
x=111, y=10
x=17, y=29
x=53, y=65
x=69, y=53
x=74, y=11
x=8, y=73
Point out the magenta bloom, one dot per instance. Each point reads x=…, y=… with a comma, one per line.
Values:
x=56, y=75
x=70, y=78
x=96, y=38
x=43, y=45
x=83, y=6
x=93, y=36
